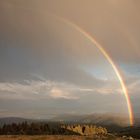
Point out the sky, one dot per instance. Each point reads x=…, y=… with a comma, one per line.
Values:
x=47, y=68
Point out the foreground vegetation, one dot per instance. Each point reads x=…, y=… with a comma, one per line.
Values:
x=51, y=129
x=57, y=131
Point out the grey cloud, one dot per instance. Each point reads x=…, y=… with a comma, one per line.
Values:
x=33, y=42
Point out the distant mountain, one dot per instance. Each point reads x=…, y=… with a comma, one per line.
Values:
x=101, y=119
x=10, y=120
x=137, y=121
x=98, y=119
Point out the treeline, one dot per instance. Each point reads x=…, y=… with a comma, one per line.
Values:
x=30, y=129
x=50, y=129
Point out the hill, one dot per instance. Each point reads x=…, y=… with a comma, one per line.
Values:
x=98, y=119
x=10, y=120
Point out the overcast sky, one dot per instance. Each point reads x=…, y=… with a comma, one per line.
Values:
x=48, y=68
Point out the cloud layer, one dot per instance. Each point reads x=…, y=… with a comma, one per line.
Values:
x=46, y=67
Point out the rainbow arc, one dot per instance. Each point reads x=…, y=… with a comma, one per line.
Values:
x=111, y=62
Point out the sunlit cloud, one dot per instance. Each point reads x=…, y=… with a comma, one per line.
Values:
x=134, y=87
x=57, y=93
x=31, y=89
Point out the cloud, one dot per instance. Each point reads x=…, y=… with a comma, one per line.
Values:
x=57, y=93
x=40, y=89
x=46, y=97
x=134, y=87
x=31, y=89
x=33, y=42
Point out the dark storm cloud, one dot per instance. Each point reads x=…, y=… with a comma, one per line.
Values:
x=27, y=47
x=36, y=48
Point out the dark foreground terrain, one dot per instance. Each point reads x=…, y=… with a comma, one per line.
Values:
x=62, y=137
x=35, y=130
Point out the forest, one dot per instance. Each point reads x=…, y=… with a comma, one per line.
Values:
x=25, y=128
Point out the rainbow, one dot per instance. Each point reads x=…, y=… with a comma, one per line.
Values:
x=107, y=56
